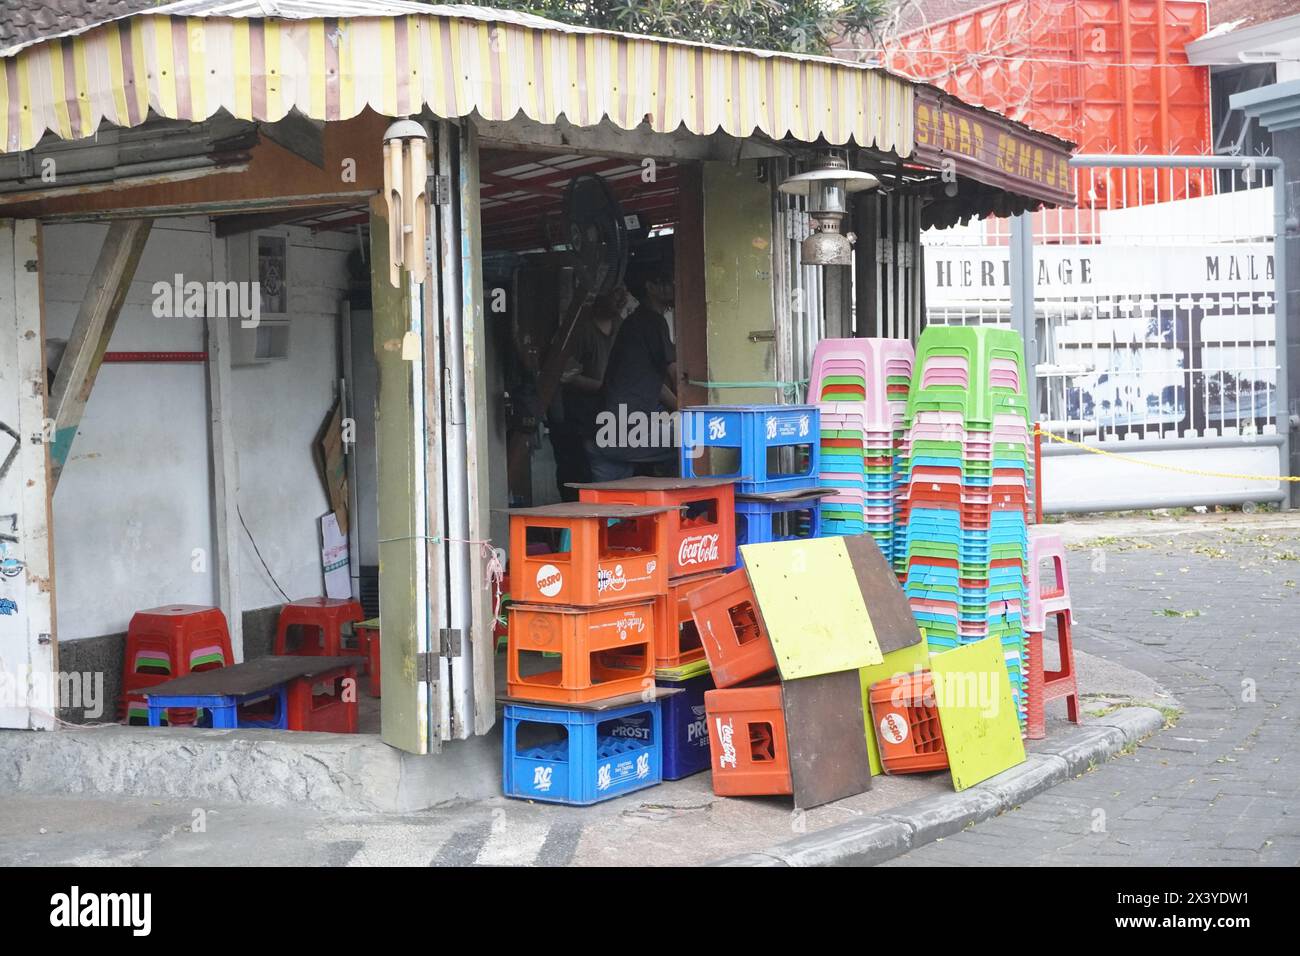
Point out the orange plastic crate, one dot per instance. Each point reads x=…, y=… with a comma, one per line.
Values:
x=586, y=555
x=602, y=652
x=747, y=743
x=700, y=528
x=906, y=723
x=677, y=639
x=731, y=629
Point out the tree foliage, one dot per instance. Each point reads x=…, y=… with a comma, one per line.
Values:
x=795, y=26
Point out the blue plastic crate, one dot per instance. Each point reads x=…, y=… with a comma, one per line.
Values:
x=686, y=729
x=756, y=521
x=752, y=431
x=603, y=754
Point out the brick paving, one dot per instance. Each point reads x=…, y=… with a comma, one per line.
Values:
x=1213, y=616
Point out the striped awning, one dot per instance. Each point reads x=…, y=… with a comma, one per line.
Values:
x=454, y=62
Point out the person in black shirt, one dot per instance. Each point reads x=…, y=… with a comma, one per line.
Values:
x=581, y=395
x=638, y=382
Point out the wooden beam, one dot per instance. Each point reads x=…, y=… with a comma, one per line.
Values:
x=563, y=137
x=523, y=185
x=300, y=135
x=109, y=282
x=690, y=310
x=225, y=463
x=248, y=222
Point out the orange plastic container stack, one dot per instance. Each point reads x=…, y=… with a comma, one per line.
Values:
x=586, y=579
x=700, y=538
x=1112, y=76
x=748, y=747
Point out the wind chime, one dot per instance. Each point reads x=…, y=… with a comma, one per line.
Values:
x=406, y=149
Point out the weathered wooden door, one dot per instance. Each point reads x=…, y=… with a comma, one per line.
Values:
x=28, y=658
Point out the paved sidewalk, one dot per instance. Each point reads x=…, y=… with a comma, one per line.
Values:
x=1216, y=788
x=1209, y=608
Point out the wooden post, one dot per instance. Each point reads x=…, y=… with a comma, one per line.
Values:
x=96, y=319
x=225, y=464
x=28, y=649
x=409, y=708
x=477, y=424
x=690, y=309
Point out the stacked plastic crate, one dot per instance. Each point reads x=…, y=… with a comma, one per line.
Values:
x=961, y=538
x=586, y=582
x=771, y=452
x=701, y=547
x=861, y=387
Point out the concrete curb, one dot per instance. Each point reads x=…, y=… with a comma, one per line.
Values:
x=875, y=839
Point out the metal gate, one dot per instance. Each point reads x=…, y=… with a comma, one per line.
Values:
x=1158, y=304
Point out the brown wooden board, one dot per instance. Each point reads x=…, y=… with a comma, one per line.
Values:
x=651, y=483
x=609, y=703
x=250, y=677
x=584, y=509
x=795, y=494
x=886, y=603
x=823, y=728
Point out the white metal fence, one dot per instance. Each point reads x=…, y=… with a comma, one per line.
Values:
x=1156, y=318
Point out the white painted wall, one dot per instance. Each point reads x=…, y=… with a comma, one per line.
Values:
x=134, y=501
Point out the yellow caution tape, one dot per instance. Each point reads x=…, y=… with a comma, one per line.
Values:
x=1151, y=464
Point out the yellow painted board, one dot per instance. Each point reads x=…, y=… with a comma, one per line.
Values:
x=812, y=606
x=981, y=729
x=905, y=660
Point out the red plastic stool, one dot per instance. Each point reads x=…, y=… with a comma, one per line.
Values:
x=323, y=616
x=1052, y=685
x=325, y=701
x=163, y=643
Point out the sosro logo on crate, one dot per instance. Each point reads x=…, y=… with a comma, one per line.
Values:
x=697, y=549
x=893, y=728
x=74, y=909
x=549, y=580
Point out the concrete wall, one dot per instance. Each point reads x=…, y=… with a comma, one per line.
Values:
x=133, y=514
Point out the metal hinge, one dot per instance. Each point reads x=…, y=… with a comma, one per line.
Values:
x=449, y=640
x=426, y=667
x=441, y=190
